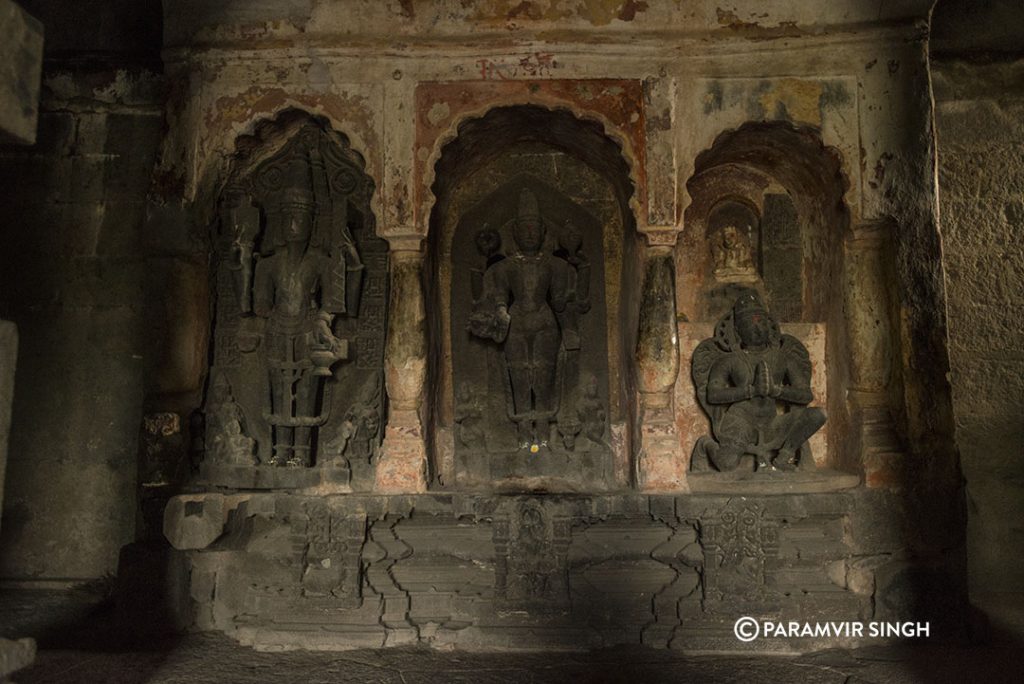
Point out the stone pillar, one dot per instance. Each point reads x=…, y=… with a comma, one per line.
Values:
x=661, y=466
x=870, y=325
x=403, y=463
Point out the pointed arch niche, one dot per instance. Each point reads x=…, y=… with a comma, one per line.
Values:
x=580, y=181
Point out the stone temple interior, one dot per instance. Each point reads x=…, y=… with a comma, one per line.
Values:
x=481, y=325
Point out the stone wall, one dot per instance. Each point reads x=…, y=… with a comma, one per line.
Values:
x=71, y=278
x=980, y=123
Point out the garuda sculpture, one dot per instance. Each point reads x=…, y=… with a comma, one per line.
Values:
x=755, y=384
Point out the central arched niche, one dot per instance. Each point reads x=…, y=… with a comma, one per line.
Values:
x=496, y=423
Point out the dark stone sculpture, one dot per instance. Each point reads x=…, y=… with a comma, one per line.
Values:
x=529, y=303
x=299, y=287
x=300, y=318
x=744, y=375
x=225, y=440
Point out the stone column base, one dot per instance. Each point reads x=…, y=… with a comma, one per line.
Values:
x=661, y=467
x=403, y=459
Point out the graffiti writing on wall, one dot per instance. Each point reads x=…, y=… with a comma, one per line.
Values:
x=536, y=65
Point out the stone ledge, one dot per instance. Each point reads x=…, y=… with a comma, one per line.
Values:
x=772, y=483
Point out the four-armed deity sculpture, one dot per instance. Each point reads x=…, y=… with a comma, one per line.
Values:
x=529, y=302
x=299, y=288
x=289, y=289
x=754, y=383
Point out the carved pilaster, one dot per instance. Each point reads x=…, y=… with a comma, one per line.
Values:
x=869, y=320
x=403, y=462
x=657, y=359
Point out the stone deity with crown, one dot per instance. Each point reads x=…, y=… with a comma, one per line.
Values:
x=528, y=303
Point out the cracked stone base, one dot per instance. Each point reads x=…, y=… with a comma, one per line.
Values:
x=547, y=572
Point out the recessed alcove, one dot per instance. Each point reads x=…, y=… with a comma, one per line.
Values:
x=565, y=353
x=780, y=194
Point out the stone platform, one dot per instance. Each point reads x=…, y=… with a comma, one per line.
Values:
x=486, y=571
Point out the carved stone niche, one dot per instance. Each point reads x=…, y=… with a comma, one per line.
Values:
x=533, y=246
x=295, y=390
x=782, y=190
x=528, y=336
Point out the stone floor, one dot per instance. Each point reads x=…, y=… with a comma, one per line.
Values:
x=81, y=640
x=214, y=659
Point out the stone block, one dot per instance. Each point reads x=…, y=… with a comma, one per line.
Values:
x=194, y=521
x=21, y=65
x=15, y=655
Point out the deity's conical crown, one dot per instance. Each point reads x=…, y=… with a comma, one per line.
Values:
x=297, y=179
x=748, y=302
x=528, y=208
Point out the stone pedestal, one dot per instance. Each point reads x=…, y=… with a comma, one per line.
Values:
x=403, y=462
x=15, y=655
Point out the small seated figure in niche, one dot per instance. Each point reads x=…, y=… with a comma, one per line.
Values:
x=733, y=255
x=469, y=418
x=755, y=385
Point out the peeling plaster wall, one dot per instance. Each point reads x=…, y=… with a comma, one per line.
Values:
x=980, y=121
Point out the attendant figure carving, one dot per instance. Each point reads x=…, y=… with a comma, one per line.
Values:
x=754, y=383
x=469, y=418
x=225, y=439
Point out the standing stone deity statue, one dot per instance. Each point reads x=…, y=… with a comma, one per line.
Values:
x=299, y=287
x=528, y=305
x=755, y=384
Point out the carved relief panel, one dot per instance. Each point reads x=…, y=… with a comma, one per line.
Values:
x=295, y=390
